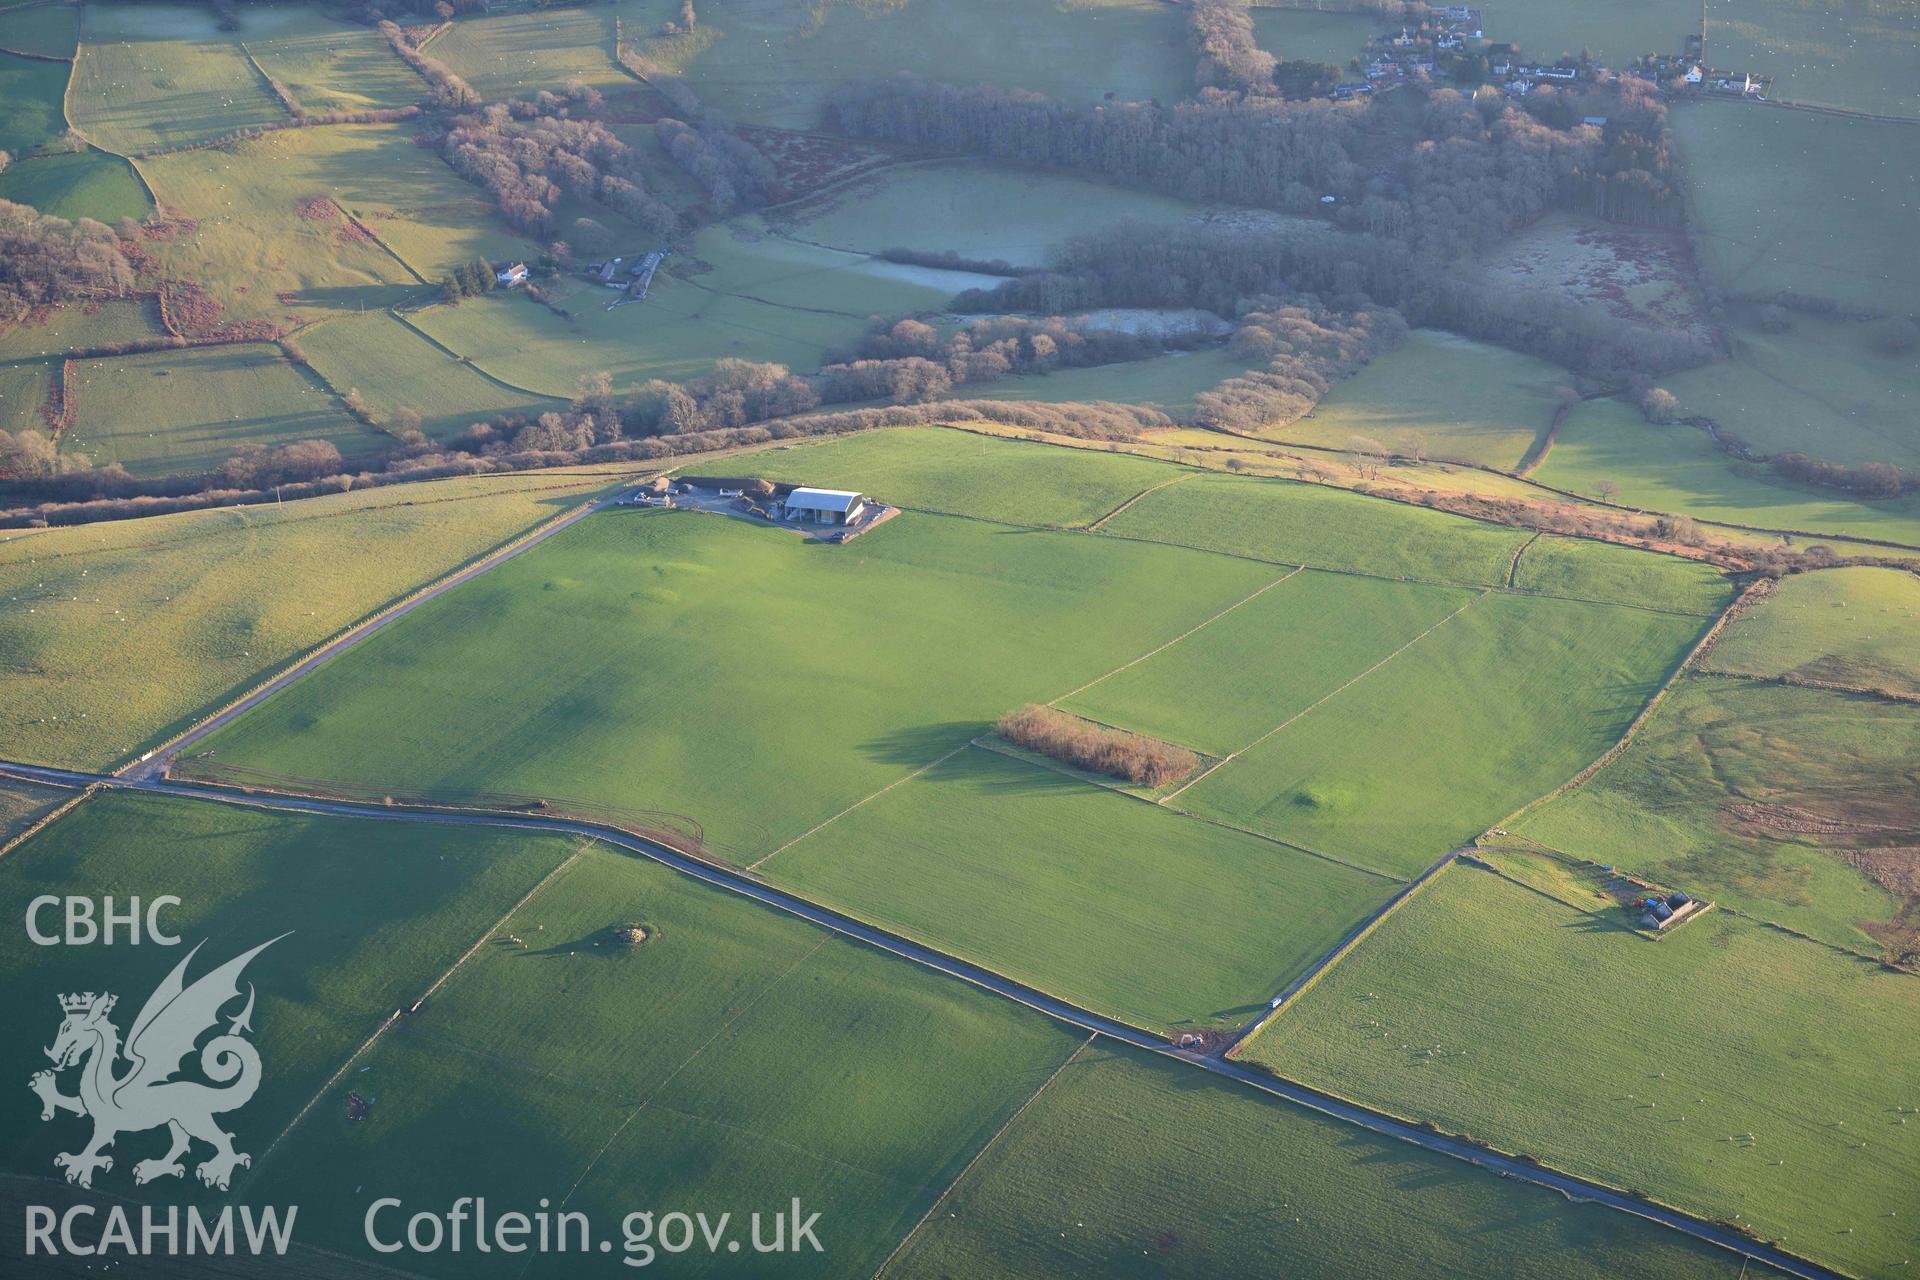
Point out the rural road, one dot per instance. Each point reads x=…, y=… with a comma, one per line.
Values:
x=154, y=764
x=1574, y=1188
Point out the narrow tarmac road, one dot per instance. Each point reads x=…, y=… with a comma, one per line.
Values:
x=1575, y=1188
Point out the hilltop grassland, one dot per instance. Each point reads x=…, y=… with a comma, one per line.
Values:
x=1858, y=58
x=118, y=634
x=62, y=329
x=159, y=75
x=1731, y=1070
x=365, y=920
x=1130, y=1165
x=327, y=64
x=969, y=475
x=1799, y=202
x=185, y=412
x=736, y=1057
x=1579, y=569
x=1442, y=396
x=1496, y=704
x=1119, y=906
x=1858, y=627
x=1794, y=804
x=675, y=661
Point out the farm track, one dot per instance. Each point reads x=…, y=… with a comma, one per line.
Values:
x=1575, y=1188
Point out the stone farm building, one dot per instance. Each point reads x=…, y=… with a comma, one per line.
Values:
x=823, y=506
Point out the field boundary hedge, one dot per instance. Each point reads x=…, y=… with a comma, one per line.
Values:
x=469, y=361
x=51, y=816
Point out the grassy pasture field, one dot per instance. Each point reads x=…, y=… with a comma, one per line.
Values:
x=327, y=65
x=52, y=29
x=1617, y=34
x=515, y=55
x=675, y=661
x=1321, y=528
x=1634, y=272
x=117, y=634
x=157, y=75
x=775, y=63
x=977, y=208
x=1857, y=57
x=1468, y=402
x=966, y=474
x=1226, y=684
x=1495, y=706
x=31, y=112
x=1796, y=805
x=80, y=184
x=1728, y=1069
x=1790, y=200
x=393, y=367
x=1580, y=569
x=183, y=412
x=1131, y=1165
x=1858, y=626
x=1120, y=906
x=71, y=328
x=1678, y=469
x=372, y=914
x=258, y=253
x=734, y=1060
x=24, y=803
x=23, y=389
x=1295, y=34
x=1822, y=388
x=1170, y=381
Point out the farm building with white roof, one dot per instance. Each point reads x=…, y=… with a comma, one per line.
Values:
x=824, y=506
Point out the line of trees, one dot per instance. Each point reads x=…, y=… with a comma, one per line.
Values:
x=444, y=88
x=732, y=171
x=1306, y=348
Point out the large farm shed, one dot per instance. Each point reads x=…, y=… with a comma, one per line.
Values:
x=823, y=506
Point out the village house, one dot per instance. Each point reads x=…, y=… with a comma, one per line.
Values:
x=513, y=275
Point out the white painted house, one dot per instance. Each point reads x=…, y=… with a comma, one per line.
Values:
x=823, y=506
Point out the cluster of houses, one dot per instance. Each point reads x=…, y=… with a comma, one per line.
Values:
x=633, y=276
x=1452, y=31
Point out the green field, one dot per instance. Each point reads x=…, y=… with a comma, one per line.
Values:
x=1796, y=805
x=1170, y=381
x=968, y=475
x=1678, y=469
x=62, y=329
x=159, y=75
x=1821, y=388
x=1119, y=906
x=51, y=29
x=327, y=65
x=1583, y=570
x=23, y=390
x=776, y=63
x=1293, y=35
x=736, y=1059
x=23, y=803
x=675, y=662
x=1616, y=34
x=1859, y=57
x=977, y=208
x=118, y=633
x=515, y=55
x=183, y=412
x=31, y=113
x=371, y=915
x=1858, y=627
x=1731, y=1070
x=1322, y=528
x=83, y=184
x=393, y=367
x=735, y=291
x=1442, y=396
x=1789, y=200
x=1495, y=706
x=1130, y=1165
x=1239, y=676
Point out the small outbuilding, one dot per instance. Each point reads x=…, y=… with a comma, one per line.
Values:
x=513, y=275
x=823, y=506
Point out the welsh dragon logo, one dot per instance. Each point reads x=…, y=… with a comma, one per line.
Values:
x=145, y=1095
